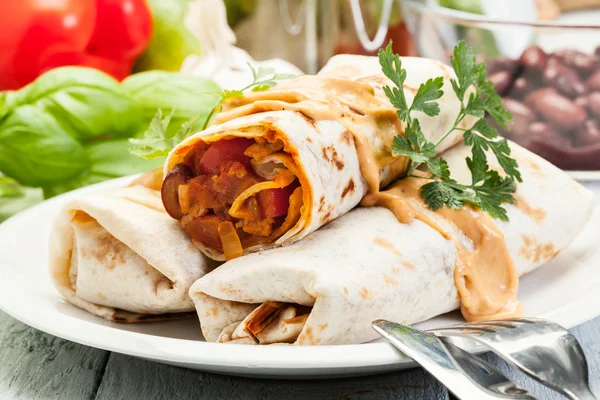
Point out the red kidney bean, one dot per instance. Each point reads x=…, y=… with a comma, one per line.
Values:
x=563, y=78
x=521, y=87
x=502, y=63
x=502, y=81
x=594, y=103
x=522, y=116
x=533, y=58
x=589, y=133
x=593, y=82
x=582, y=101
x=178, y=175
x=556, y=108
x=582, y=62
x=542, y=129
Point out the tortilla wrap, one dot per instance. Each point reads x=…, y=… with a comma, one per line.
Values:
x=334, y=132
x=328, y=287
x=119, y=255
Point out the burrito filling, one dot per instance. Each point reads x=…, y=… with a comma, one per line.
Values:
x=271, y=322
x=234, y=193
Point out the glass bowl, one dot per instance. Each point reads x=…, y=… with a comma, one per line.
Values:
x=308, y=32
x=548, y=73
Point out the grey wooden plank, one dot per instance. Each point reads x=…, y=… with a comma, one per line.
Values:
x=131, y=378
x=35, y=365
x=588, y=335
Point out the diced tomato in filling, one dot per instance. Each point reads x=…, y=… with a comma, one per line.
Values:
x=222, y=172
x=193, y=157
x=204, y=194
x=275, y=202
x=234, y=178
x=222, y=151
x=205, y=230
x=221, y=190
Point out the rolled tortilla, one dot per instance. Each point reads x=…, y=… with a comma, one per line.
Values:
x=119, y=255
x=326, y=138
x=328, y=287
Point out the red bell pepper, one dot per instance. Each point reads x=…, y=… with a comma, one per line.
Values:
x=38, y=35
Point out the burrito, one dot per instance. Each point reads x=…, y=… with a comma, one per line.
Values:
x=328, y=287
x=119, y=255
x=278, y=164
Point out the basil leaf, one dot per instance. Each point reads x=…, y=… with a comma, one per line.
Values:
x=188, y=96
x=108, y=159
x=111, y=158
x=10, y=206
x=10, y=188
x=36, y=151
x=84, y=179
x=87, y=103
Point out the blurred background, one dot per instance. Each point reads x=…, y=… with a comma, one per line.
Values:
x=79, y=78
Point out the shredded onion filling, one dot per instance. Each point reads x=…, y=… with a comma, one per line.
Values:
x=237, y=203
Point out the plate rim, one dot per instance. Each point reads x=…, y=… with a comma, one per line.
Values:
x=211, y=356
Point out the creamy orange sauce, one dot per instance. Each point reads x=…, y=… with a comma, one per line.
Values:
x=485, y=276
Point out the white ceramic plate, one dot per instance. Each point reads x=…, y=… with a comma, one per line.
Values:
x=565, y=291
x=585, y=176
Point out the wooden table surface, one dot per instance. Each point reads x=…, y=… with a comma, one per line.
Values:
x=35, y=365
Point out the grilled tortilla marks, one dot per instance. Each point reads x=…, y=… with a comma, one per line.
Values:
x=331, y=155
x=349, y=188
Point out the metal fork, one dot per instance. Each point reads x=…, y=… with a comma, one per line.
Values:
x=465, y=375
x=542, y=349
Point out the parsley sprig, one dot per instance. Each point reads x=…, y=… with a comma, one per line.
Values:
x=156, y=141
x=263, y=79
x=488, y=190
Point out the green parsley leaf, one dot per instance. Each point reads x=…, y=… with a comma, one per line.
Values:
x=184, y=131
x=475, y=106
x=463, y=64
x=488, y=190
x=438, y=167
x=403, y=147
x=415, y=136
x=398, y=100
x=261, y=72
x=493, y=192
x=262, y=79
x=264, y=86
x=281, y=77
x=156, y=142
x=391, y=65
x=437, y=194
x=230, y=94
x=486, y=130
x=489, y=139
x=417, y=148
x=427, y=93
